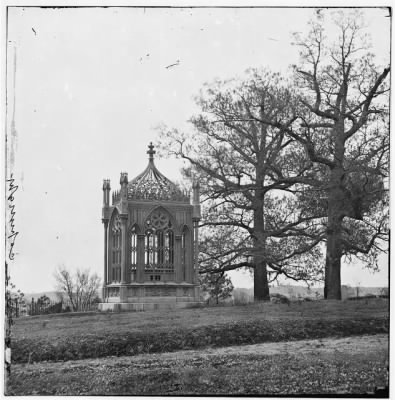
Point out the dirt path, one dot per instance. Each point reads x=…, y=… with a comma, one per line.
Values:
x=351, y=344
x=351, y=365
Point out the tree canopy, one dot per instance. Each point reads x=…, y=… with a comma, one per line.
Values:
x=248, y=169
x=285, y=167
x=343, y=125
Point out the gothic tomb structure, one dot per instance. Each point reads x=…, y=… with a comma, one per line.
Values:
x=150, y=243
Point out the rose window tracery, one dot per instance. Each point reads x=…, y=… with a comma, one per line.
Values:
x=159, y=220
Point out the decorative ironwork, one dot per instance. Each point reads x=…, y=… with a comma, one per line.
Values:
x=152, y=185
x=116, y=249
x=159, y=220
x=116, y=224
x=116, y=196
x=183, y=252
x=151, y=151
x=133, y=254
x=159, y=243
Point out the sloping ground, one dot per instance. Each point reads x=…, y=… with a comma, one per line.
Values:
x=62, y=338
x=54, y=326
x=326, y=367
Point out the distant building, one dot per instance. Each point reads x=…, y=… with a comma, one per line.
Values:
x=150, y=243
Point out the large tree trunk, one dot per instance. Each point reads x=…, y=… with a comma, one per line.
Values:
x=261, y=284
x=337, y=208
x=332, y=289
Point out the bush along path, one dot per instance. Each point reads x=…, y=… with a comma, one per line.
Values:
x=98, y=345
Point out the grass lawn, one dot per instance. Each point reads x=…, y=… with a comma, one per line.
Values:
x=58, y=325
x=65, y=337
x=320, y=347
x=345, y=366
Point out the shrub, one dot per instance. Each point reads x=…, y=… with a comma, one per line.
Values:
x=279, y=298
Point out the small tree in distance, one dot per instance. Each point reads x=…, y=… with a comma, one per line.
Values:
x=218, y=286
x=80, y=289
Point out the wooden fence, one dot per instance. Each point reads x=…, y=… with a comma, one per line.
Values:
x=18, y=308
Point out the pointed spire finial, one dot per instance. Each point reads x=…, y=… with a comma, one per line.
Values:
x=195, y=183
x=151, y=151
x=124, y=178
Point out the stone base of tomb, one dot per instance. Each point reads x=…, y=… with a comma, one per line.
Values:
x=148, y=296
x=144, y=306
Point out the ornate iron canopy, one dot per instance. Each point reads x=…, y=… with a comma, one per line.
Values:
x=152, y=185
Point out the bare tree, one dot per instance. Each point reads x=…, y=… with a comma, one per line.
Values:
x=343, y=125
x=81, y=289
x=248, y=169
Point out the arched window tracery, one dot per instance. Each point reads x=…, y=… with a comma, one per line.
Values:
x=133, y=253
x=159, y=243
x=116, y=249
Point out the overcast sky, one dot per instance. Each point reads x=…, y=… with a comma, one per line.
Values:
x=87, y=87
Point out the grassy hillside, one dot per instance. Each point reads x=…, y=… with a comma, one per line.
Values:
x=70, y=337
x=309, y=367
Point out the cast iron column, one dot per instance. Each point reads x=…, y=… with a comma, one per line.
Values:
x=124, y=264
x=140, y=258
x=195, y=251
x=105, y=220
x=178, y=259
x=105, y=276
